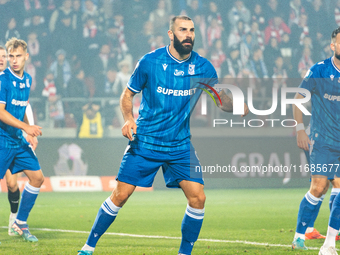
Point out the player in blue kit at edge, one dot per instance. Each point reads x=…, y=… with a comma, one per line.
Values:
x=161, y=133
x=16, y=152
x=12, y=179
x=323, y=144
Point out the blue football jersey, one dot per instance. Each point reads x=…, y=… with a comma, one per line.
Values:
x=323, y=81
x=170, y=90
x=14, y=92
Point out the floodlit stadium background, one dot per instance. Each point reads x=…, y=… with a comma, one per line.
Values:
x=267, y=43
x=102, y=41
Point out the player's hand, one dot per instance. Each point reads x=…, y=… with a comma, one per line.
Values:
x=303, y=140
x=33, y=141
x=33, y=130
x=126, y=129
x=246, y=110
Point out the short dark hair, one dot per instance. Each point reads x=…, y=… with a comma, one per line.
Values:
x=172, y=21
x=335, y=33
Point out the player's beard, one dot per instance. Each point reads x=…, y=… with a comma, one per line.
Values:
x=181, y=48
x=337, y=56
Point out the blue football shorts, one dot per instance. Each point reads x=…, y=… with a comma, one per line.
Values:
x=323, y=159
x=18, y=159
x=139, y=167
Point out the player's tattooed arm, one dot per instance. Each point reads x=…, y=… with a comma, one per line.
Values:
x=227, y=103
x=126, y=106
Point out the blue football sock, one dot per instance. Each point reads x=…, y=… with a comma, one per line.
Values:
x=333, y=224
x=191, y=227
x=332, y=197
x=334, y=219
x=308, y=207
x=28, y=197
x=315, y=214
x=106, y=215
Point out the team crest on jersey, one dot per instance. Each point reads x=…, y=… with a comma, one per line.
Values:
x=164, y=66
x=332, y=77
x=14, y=83
x=191, y=69
x=28, y=83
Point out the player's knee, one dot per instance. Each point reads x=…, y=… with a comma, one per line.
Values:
x=326, y=188
x=201, y=198
x=122, y=196
x=38, y=181
x=119, y=197
x=12, y=185
x=41, y=180
x=317, y=190
x=197, y=201
x=336, y=183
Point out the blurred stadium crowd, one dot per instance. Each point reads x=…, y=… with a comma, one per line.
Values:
x=85, y=50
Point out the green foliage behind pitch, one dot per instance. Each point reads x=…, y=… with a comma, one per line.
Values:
x=233, y=218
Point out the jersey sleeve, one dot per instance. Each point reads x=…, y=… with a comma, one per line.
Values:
x=210, y=76
x=309, y=81
x=3, y=89
x=139, y=77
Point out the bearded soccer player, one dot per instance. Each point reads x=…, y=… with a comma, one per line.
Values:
x=12, y=179
x=328, y=248
x=161, y=134
x=323, y=144
x=16, y=152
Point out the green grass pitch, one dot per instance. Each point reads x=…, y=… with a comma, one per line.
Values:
x=236, y=222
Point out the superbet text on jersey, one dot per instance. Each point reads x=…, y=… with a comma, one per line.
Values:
x=14, y=92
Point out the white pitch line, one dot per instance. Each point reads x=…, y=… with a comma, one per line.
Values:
x=168, y=237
